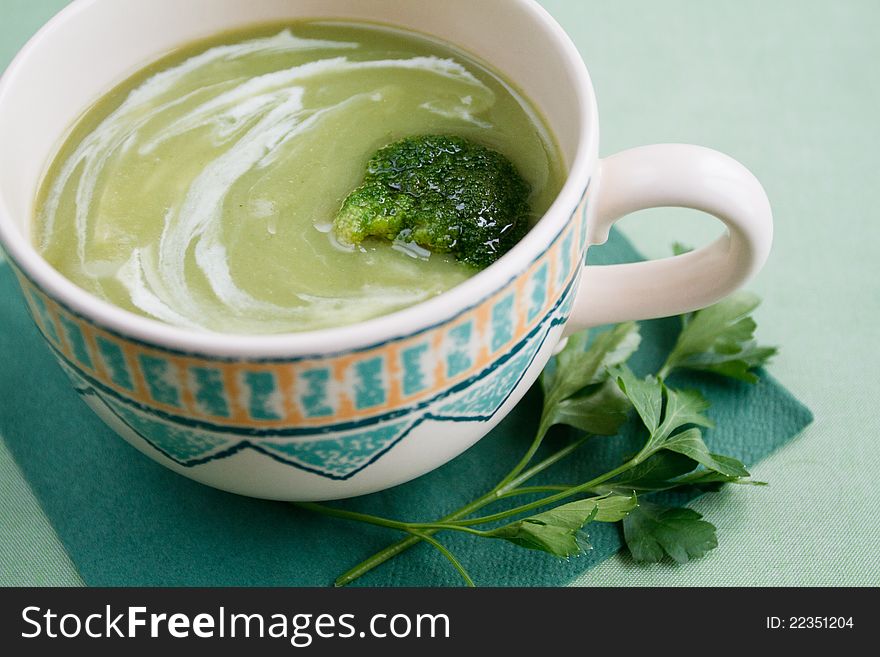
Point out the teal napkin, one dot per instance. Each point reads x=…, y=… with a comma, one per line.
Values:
x=126, y=521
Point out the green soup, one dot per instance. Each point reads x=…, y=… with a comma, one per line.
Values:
x=201, y=192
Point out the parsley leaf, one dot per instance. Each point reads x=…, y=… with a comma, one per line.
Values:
x=682, y=407
x=654, y=473
x=720, y=339
x=690, y=443
x=663, y=410
x=672, y=470
x=601, y=412
x=652, y=531
x=613, y=508
x=709, y=481
x=559, y=531
x=645, y=394
x=579, y=366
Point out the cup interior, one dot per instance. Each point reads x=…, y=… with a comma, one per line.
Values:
x=93, y=45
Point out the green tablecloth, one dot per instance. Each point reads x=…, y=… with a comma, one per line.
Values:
x=791, y=89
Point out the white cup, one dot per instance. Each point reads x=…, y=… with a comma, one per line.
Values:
x=347, y=411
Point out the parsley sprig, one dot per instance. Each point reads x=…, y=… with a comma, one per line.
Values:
x=591, y=389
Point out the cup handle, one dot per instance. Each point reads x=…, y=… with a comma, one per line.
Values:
x=673, y=175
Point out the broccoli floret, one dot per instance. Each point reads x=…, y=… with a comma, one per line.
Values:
x=446, y=194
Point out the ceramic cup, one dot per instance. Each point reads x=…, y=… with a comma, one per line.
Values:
x=347, y=411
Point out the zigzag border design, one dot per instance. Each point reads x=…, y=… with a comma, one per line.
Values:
x=247, y=444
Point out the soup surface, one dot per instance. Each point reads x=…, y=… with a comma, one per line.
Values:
x=201, y=192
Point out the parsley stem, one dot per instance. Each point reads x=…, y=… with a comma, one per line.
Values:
x=528, y=456
x=406, y=543
x=510, y=483
x=530, y=490
x=666, y=370
x=409, y=528
x=353, y=515
x=384, y=522
x=500, y=491
x=451, y=557
x=574, y=490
